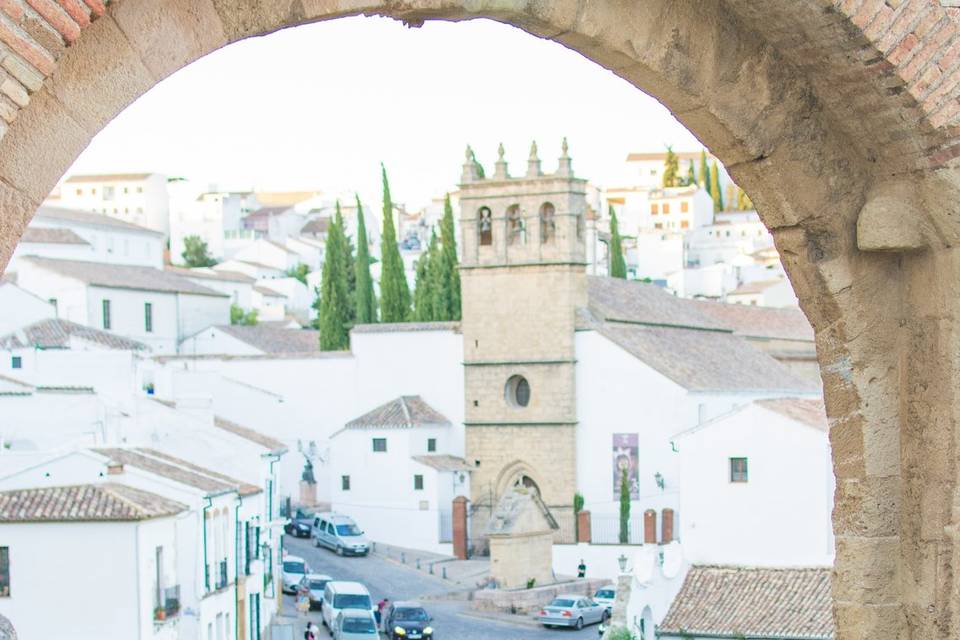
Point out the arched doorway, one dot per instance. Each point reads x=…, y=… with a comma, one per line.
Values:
x=840, y=120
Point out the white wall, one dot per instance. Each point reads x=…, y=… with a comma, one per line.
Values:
x=216, y=341
x=128, y=317
x=70, y=294
x=61, y=583
x=198, y=312
x=107, y=243
x=144, y=202
x=780, y=516
x=21, y=308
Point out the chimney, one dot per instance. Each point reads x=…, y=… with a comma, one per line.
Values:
x=114, y=468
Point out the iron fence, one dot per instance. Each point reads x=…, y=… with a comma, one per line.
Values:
x=445, y=522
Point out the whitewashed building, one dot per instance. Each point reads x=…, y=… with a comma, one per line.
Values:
x=260, y=339
x=156, y=307
x=238, y=286
x=20, y=307
x=777, y=292
x=213, y=216
x=400, y=461
x=70, y=234
x=114, y=543
x=139, y=198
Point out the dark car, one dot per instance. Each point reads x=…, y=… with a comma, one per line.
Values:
x=407, y=620
x=300, y=524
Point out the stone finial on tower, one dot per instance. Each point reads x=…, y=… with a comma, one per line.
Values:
x=533, y=163
x=565, y=168
x=470, y=171
x=500, y=168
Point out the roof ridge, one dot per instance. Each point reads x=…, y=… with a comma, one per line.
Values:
x=406, y=410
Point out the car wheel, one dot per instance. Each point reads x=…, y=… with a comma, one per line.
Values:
x=316, y=542
x=605, y=617
x=339, y=550
x=579, y=623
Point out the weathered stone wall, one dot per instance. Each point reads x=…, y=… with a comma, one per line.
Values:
x=839, y=117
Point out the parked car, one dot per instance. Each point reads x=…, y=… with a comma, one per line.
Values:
x=339, y=533
x=300, y=524
x=605, y=596
x=294, y=569
x=339, y=595
x=355, y=624
x=571, y=611
x=314, y=584
x=407, y=620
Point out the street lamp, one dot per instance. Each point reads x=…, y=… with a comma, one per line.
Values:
x=622, y=561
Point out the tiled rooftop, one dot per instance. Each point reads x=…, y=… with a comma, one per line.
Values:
x=84, y=503
x=122, y=276
x=405, y=412
x=55, y=333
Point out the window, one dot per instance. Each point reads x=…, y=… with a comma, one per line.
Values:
x=379, y=445
x=148, y=317
x=139, y=189
x=4, y=572
x=418, y=483
x=658, y=225
x=431, y=444
x=126, y=190
x=516, y=226
x=517, y=391
x=106, y=314
x=684, y=224
x=53, y=302
x=158, y=599
x=738, y=469
x=666, y=208
x=16, y=362
x=79, y=192
x=485, y=226
x=109, y=193
x=345, y=483
x=684, y=207
x=548, y=223
x=654, y=209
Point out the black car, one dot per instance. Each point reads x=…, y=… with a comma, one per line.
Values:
x=407, y=621
x=300, y=525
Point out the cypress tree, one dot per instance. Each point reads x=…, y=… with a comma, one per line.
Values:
x=624, y=507
x=394, y=291
x=704, y=177
x=691, y=175
x=333, y=320
x=450, y=268
x=715, y=189
x=424, y=293
x=618, y=266
x=744, y=203
x=671, y=169
x=366, y=299
x=349, y=269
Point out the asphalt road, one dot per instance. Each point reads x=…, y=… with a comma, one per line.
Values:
x=385, y=578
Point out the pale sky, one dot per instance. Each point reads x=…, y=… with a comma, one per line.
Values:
x=319, y=107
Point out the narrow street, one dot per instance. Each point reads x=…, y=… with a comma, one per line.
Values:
x=385, y=578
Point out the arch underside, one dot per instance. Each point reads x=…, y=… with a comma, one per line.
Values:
x=818, y=108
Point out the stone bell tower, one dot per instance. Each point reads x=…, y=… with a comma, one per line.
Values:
x=523, y=276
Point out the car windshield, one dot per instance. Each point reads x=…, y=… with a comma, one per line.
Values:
x=348, y=530
x=294, y=567
x=562, y=602
x=351, y=601
x=359, y=625
x=609, y=594
x=411, y=615
x=318, y=585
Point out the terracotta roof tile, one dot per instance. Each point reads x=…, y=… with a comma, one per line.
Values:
x=123, y=276
x=759, y=322
x=54, y=333
x=249, y=434
x=109, y=177
x=51, y=235
x=394, y=327
x=142, y=459
x=84, y=503
x=405, y=412
x=245, y=488
x=733, y=602
x=443, y=462
x=86, y=217
x=809, y=411
x=273, y=339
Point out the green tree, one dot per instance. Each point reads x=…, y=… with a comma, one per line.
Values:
x=366, y=299
x=334, y=307
x=394, y=291
x=703, y=179
x=624, y=507
x=299, y=272
x=349, y=269
x=671, y=169
x=425, y=291
x=449, y=269
x=239, y=316
x=577, y=508
x=196, y=253
x=691, y=175
x=715, y=189
x=744, y=203
x=618, y=266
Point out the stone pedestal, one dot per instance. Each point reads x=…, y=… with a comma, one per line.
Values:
x=521, y=540
x=308, y=493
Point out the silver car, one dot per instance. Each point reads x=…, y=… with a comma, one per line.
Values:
x=572, y=611
x=355, y=624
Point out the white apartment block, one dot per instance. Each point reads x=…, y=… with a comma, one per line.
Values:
x=71, y=234
x=153, y=306
x=138, y=198
x=216, y=217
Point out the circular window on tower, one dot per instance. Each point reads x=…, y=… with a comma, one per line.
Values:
x=517, y=391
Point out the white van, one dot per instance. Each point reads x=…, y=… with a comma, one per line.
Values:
x=338, y=595
x=339, y=533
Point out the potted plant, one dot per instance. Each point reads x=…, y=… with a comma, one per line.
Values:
x=159, y=613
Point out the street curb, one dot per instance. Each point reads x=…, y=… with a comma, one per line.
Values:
x=517, y=621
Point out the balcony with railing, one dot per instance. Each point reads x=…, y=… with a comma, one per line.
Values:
x=169, y=605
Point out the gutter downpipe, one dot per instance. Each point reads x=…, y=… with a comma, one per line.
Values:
x=236, y=567
x=136, y=547
x=203, y=524
x=274, y=458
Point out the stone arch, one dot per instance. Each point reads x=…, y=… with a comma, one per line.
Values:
x=547, y=221
x=484, y=227
x=517, y=472
x=839, y=117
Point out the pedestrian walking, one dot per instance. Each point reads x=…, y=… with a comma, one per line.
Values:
x=309, y=634
x=582, y=569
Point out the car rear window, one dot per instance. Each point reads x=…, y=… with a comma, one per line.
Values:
x=351, y=601
x=606, y=593
x=294, y=567
x=317, y=585
x=561, y=602
x=359, y=625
